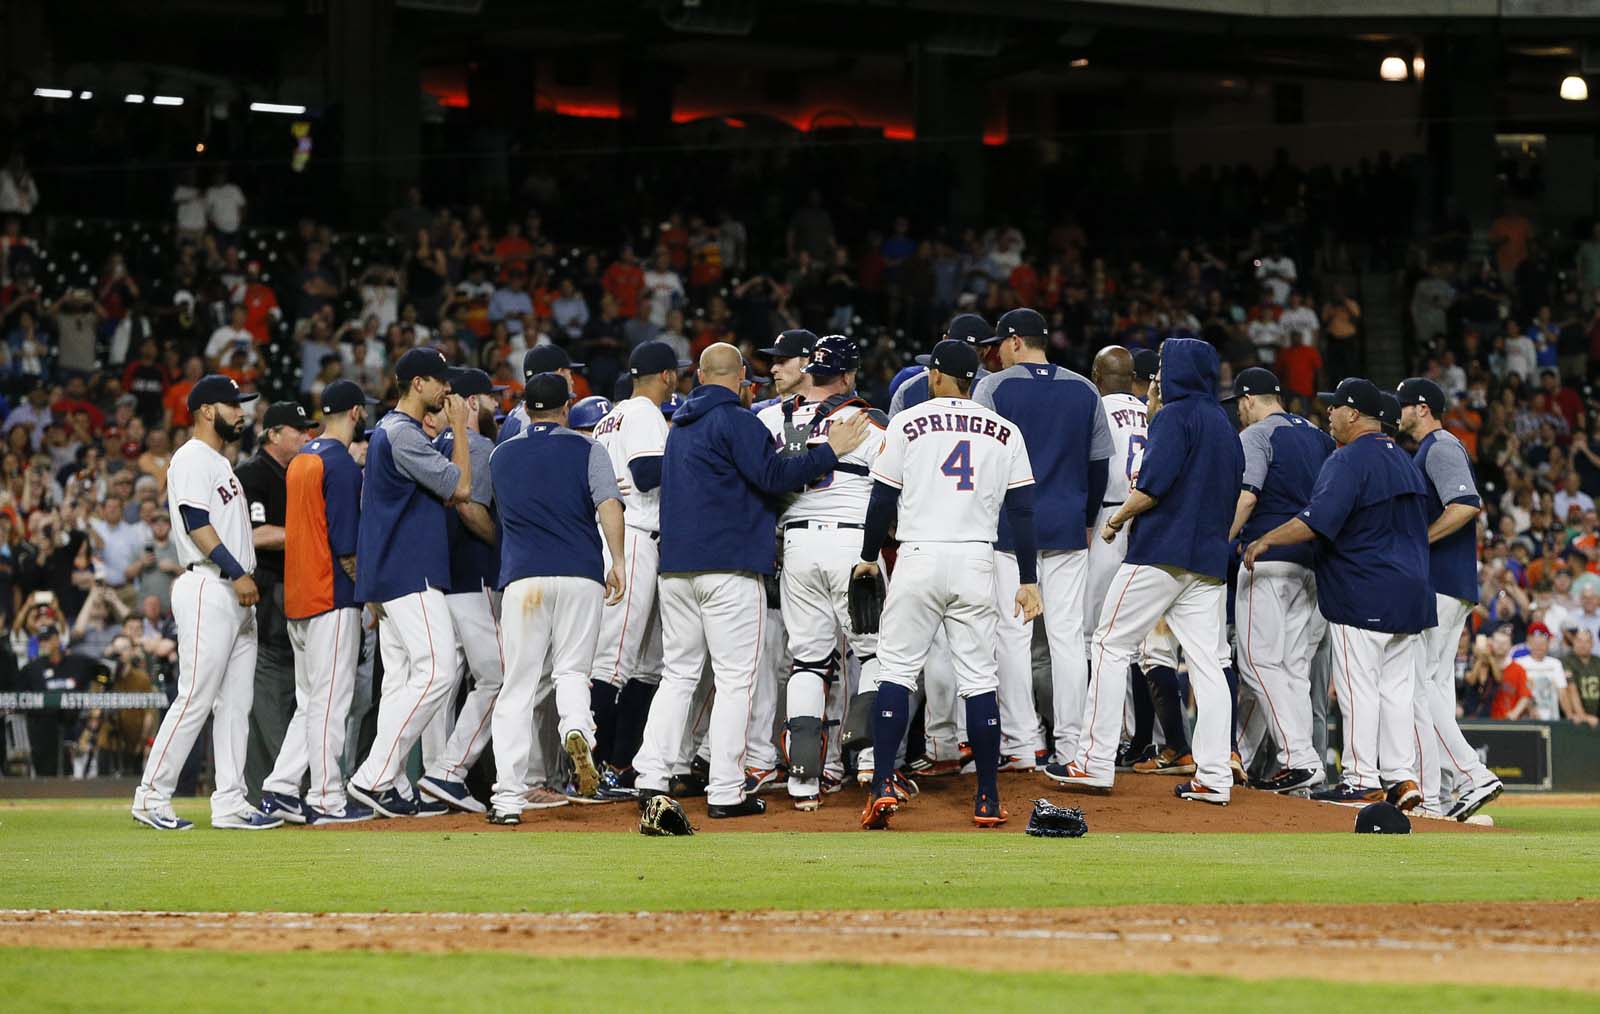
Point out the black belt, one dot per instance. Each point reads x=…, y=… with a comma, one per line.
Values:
x=1108, y=503
x=825, y=525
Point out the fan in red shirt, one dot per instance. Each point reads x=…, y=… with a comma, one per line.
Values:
x=74, y=398
x=624, y=280
x=1025, y=283
x=260, y=304
x=1512, y=696
x=1298, y=366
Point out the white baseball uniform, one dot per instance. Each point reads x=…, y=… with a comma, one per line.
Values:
x=1126, y=419
x=632, y=430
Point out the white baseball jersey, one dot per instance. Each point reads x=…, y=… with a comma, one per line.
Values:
x=635, y=428
x=201, y=478
x=840, y=495
x=953, y=461
x=1127, y=417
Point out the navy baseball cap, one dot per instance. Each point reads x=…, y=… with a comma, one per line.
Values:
x=288, y=413
x=1421, y=391
x=546, y=359
x=344, y=395
x=1255, y=380
x=969, y=328
x=421, y=362
x=1390, y=416
x=216, y=389
x=1146, y=363
x=587, y=413
x=954, y=359
x=655, y=357
x=671, y=405
x=546, y=392
x=1019, y=323
x=791, y=344
x=833, y=355
x=1357, y=393
x=1382, y=818
x=471, y=381
x=752, y=378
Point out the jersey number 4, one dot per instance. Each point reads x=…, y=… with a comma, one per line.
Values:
x=959, y=465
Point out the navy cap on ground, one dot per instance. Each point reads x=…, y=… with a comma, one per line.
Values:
x=1255, y=380
x=655, y=357
x=216, y=389
x=1421, y=391
x=1146, y=363
x=287, y=413
x=1357, y=393
x=546, y=392
x=954, y=359
x=473, y=381
x=344, y=395
x=1019, y=323
x=969, y=328
x=421, y=362
x=588, y=412
x=833, y=355
x=1382, y=818
x=546, y=359
x=791, y=344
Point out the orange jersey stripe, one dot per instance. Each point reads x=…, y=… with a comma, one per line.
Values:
x=307, y=559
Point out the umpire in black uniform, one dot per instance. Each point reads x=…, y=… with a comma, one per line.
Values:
x=264, y=478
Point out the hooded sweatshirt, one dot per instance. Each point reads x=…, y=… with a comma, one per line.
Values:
x=720, y=478
x=1192, y=467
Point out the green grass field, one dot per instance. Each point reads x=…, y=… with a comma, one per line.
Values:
x=89, y=854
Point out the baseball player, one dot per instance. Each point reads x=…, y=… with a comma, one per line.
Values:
x=1452, y=511
x=1069, y=443
x=537, y=360
x=1275, y=604
x=949, y=466
x=718, y=537
x=551, y=484
x=1367, y=510
x=320, y=529
x=213, y=607
x=913, y=391
x=821, y=537
x=634, y=435
x=790, y=354
x=474, y=540
x=404, y=549
x=1176, y=566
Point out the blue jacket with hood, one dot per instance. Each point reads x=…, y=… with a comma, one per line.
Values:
x=1192, y=466
x=721, y=476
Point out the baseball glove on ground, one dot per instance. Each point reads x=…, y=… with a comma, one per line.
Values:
x=866, y=603
x=1051, y=821
x=663, y=816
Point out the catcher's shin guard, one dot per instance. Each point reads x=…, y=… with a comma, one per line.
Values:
x=858, y=723
x=806, y=746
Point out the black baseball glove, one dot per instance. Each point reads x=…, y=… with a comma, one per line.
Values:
x=866, y=603
x=663, y=816
x=1051, y=821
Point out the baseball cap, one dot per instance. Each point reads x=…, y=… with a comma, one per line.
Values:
x=752, y=378
x=1382, y=818
x=795, y=342
x=471, y=381
x=344, y=395
x=1146, y=363
x=671, y=405
x=954, y=358
x=1357, y=393
x=1019, y=323
x=1255, y=380
x=546, y=359
x=1538, y=628
x=1390, y=416
x=1421, y=391
x=655, y=357
x=287, y=413
x=47, y=631
x=832, y=355
x=421, y=361
x=969, y=328
x=546, y=391
x=587, y=413
x=216, y=389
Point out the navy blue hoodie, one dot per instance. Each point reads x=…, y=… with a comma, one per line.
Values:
x=1192, y=466
x=720, y=478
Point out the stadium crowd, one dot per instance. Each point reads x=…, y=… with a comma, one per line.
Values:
x=106, y=326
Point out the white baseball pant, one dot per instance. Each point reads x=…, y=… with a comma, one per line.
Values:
x=624, y=626
x=1276, y=610
x=945, y=586
x=1196, y=610
x=1437, y=662
x=482, y=653
x=1373, y=674
x=1062, y=576
x=724, y=615
x=418, y=644
x=544, y=619
x=1104, y=559
x=216, y=677
x=326, y=647
x=762, y=750
x=944, y=723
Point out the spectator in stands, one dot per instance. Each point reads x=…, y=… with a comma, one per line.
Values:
x=511, y=305
x=569, y=311
x=624, y=282
x=1587, y=618
x=315, y=285
x=225, y=204
x=99, y=620
x=1509, y=234
x=1546, y=678
x=118, y=544
x=1582, y=702
x=811, y=229
x=19, y=194
x=1571, y=498
x=1341, y=318
x=663, y=289
x=54, y=669
x=189, y=203
x=427, y=277
x=1521, y=356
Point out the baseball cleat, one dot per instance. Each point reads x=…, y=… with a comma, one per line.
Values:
x=353, y=813
x=1237, y=764
x=964, y=753
x=389, y=803
x=1199, y=793
x=1475, y=799
x=749, y=806
x=1288, y=780
x=875, y=817
x=927, y=767
x=583, y=769
x=1404, y=795
x=759, y=779
x=1073, y=776
x=504, y=818
x=430, y=807
x=1012, y=762
x=246, y=820
x=645, y=795
x=617, y=782
x=988, y=812
x=904, y=789
x=830, y=784
x=693, y=783
x=452, y=794
x=161, y=820
x=1128, y=757
x=541, y=798
x=864, y=776
x=1349, y=795
x=290, y=809
x=1167, y=762
x=808, y=804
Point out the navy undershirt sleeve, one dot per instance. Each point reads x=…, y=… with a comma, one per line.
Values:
x=194, y=517
x=646, y=472
x=1019, y=512
x=1099, y=475
x=881, y=511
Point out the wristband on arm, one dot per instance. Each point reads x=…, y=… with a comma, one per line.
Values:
x=226, y=563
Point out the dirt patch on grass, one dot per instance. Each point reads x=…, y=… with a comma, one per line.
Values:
x=1549, y=944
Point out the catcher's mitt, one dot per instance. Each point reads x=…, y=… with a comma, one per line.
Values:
x=866, y=603
x=1051, y=821
x=663, y=816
